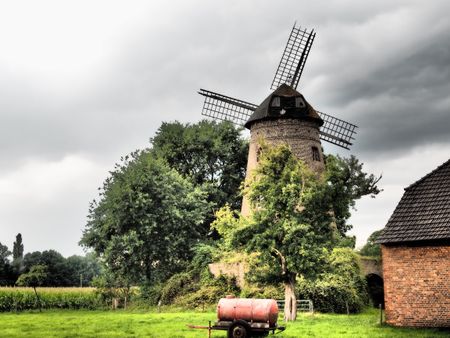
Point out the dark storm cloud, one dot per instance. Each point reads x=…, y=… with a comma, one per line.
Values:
x=407, y=101
x=396, y=92
x=233, y=48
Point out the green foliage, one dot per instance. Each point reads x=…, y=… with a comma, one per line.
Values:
x=330, y=296
x=20, y=299
x=147, y=220
x=55, y=263
x=33, y=278
x=208, y=292
x=4, y=254
x=204, y=254
x=150, y=294
x=7, y=276
x=262, y=291
x=371, y=248
x=176, y=286
x=347, y=182
x=18, y=254
x=346, y=242
x=342, y=288
x=209, y=153
x=110, y=287
x=85, y=268
x=290, y=225
x=63, y=271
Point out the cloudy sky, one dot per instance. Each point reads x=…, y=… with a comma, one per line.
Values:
x=84, y=82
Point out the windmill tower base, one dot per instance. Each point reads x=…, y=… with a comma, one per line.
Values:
x=302, y=136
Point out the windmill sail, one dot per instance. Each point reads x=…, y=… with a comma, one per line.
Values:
x=226, y=108
x=294, y=58
x=337, y=131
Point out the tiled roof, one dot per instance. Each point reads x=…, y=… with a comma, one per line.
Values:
x=423, y=213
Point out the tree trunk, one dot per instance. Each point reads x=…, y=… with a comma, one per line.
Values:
x=290, y=301
x=38, y=299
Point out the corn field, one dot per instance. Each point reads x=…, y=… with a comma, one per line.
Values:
x=21, y=298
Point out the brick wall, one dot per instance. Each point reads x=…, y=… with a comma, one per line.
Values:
x=417, y=285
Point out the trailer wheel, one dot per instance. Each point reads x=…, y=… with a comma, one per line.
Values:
x=239, y=329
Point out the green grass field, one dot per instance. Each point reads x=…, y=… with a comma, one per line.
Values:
x=67, y=323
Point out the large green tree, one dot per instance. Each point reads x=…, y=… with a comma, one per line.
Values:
x=57, y=272
x=209, y=153
x=82, y=269
x=346, y=183
x=62, y=271
x=34, y=278
x=147, y=219
x=289, y=227
x=297, y=218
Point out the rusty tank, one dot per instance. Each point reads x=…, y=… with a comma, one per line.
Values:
x=244, y=317
x=250, y=310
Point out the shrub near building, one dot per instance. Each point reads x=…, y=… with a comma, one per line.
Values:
x=342, y=289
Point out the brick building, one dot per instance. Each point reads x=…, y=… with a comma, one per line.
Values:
x=415, y=248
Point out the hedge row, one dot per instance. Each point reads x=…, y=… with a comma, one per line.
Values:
x=19, y=299
x=333, y=296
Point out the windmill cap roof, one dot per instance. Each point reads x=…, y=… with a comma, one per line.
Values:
x=266, y=111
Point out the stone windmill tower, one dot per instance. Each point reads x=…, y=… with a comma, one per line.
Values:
x=284, y=116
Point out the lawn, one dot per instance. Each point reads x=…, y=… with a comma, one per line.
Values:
x=67, y=323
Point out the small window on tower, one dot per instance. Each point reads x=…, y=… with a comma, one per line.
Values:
x=275, y=101
x=315, y=154
x=299, y=103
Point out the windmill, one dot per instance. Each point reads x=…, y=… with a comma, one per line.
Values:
x=284, y=116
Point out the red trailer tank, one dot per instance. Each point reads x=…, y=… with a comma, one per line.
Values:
x=250, y=310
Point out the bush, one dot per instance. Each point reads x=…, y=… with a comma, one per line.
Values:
x=149, y=295
x=342, y=289
x=19, y=299
x=207, y=291
x=177, y=285
x=262, y=291
x=331, y=296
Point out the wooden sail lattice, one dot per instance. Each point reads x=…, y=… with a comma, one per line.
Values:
x=294, y=57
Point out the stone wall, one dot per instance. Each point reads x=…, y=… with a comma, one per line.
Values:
x=236, y=270
x=417, y=285
x=371, y=266
x=300, y=135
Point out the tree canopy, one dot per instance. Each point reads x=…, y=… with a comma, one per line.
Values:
x=209, y=153
x=18, y=250
x=289, y=226
x=296, y=216
x=347, y=182
x=62, y=271
x=147, y=219
x=6, y=271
